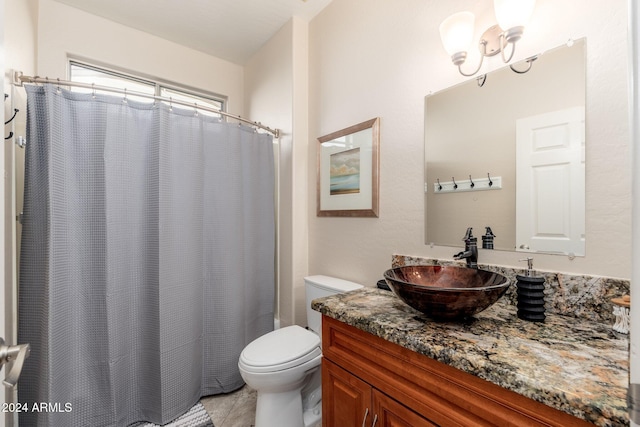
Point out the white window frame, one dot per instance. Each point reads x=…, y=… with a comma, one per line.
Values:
x=193, y=94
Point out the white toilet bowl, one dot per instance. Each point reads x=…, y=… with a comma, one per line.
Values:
x=279, y=365
x=283, y=366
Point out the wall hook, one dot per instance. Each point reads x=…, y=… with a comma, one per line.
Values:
x=489, y=178
x=472, y=184
x=439, y=185
x=15, y=111
x=455, y=186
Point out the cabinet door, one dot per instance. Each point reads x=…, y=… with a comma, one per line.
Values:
x=346, y=399
x=390, y=413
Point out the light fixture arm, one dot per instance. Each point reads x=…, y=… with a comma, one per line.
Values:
x=529, y=61
x=503, y=46
x=483, y=53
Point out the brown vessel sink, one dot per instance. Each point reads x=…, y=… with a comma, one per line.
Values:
x=446, y=292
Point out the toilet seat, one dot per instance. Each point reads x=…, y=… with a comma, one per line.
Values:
x=281, y=349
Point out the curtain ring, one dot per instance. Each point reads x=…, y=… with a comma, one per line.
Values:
x=124, y=100
x=93, y=90
x=170, y=104
x=58, y=87
x=196, y=108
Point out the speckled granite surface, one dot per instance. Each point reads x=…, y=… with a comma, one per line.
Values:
x=572, y=364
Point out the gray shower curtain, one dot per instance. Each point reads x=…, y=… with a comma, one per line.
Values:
x=147, y=259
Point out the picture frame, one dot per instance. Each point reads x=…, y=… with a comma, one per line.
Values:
x=348, y=164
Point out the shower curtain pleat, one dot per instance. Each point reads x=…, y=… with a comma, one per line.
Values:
x=147, y=261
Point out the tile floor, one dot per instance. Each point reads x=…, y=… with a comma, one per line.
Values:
x=236, y=409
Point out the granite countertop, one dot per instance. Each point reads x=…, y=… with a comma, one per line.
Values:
x=574, y=365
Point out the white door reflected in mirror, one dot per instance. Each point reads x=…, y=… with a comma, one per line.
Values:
x=550, y=177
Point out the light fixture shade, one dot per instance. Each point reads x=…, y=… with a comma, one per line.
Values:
x=456, y=32
x=513, y=13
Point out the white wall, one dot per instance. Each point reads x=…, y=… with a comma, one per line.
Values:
x=276, y=93
x=634, y=117
x=63, y=31
x=20, y=29
x=3, y=279
x=382, y=58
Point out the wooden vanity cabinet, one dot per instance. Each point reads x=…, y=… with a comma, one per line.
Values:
x=346, y=399
x=366, y=378
x=352, y=402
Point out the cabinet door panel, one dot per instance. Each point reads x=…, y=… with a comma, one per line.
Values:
x=392, y=414
x=346, y=399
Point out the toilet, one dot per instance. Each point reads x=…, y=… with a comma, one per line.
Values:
x=283, y=366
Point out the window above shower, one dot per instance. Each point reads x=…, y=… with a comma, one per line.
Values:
x=103, y=76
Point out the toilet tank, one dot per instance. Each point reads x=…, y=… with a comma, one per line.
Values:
x=323, y=286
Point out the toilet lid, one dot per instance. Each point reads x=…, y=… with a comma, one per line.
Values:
x=281, y=349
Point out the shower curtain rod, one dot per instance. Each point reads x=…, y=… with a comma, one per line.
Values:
x=19, y=79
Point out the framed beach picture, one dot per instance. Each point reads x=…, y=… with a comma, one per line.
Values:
x=348, y=166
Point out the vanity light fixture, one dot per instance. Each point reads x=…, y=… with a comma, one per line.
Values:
x=457, y=30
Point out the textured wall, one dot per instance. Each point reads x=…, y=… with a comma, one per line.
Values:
x=64, y=30
x=380, y=60
x=274, y=73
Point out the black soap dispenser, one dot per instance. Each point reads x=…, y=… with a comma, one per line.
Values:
x=487, y=239
x=530, y=291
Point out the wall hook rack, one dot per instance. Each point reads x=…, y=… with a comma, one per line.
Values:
x=478, y=184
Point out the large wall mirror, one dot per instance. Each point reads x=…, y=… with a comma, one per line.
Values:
x=506, y=151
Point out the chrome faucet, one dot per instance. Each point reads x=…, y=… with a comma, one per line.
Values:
x=470, y=253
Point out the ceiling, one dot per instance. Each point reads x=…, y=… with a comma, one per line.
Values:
x=228, y=29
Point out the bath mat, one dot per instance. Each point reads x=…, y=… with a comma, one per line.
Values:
x=196, y=417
